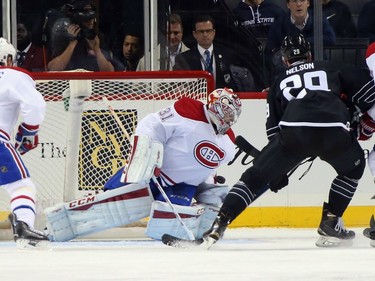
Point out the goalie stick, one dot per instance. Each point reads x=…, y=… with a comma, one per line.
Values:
x=176, y=242
x=114, y=114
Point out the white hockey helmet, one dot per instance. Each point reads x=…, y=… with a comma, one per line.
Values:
x=224, y=108
x=6, y=50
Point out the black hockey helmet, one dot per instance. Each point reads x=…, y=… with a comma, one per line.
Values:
x=295, y=48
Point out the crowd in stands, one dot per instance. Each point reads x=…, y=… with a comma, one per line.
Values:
x=74, y=36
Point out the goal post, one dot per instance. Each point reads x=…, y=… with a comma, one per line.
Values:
x=80, y=143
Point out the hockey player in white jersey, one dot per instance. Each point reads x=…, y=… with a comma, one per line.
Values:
x=169, y=176
x=18, y=96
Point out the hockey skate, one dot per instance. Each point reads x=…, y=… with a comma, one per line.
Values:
x=26, y=237
x=370, y=231
x=332, y=231
x=209, y=238
x=215, y=233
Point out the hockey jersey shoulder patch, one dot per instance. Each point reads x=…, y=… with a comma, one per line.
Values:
x=191, y=109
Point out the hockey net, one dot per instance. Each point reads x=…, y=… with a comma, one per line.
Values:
x=80, y=143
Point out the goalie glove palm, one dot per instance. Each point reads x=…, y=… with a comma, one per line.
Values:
x=366, y=127
x=26, y=138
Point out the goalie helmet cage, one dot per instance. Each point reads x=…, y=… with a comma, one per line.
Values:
x=80, y=143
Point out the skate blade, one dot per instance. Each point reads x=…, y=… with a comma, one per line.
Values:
x=333, y=242
x=27, y=244
x=372, y=243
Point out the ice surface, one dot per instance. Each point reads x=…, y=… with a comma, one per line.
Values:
x=244, y=254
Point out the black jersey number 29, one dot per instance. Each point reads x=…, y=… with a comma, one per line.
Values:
x=313, y=80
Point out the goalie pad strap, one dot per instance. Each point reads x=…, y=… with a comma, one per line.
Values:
x=92, y=214
x=145, y=157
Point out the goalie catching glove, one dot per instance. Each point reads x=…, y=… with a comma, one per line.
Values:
x=26, y=138
x=366, y=127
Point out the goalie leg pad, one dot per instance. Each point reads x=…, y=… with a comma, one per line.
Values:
x=163, y=220
x=211, y=196
x=207, y=219
x=145, y=157
x=95, y=213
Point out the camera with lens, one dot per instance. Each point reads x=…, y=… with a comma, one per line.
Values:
x=81, y=12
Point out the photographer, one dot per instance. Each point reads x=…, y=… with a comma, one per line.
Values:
x=74, y=43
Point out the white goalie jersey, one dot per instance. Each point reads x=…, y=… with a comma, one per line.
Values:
x=192, y=149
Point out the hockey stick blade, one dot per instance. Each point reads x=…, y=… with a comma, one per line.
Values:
x=176, y=242
x=248, y=148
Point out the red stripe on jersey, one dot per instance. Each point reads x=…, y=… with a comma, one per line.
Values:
x=231, y=135
x=22, y=197
x=4, y=135
x=166, y=178
x=191, y=109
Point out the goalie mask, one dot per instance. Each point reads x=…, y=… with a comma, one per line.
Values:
x=224, y=108
x=7, y=53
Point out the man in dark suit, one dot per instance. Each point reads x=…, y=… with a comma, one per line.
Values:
x=206, y=55
x=29, y=55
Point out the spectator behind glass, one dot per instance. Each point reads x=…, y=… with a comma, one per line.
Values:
x=29, y=55
x=205, y=55
x=298, y=20
x=132, y=50
x=176, y=45
x=366, y=21
x=257, y=15
x=340, y=17
x=74, y=43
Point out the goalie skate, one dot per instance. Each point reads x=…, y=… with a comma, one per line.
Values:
x=26, y=237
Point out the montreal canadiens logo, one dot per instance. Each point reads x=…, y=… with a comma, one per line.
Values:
x=208, y=154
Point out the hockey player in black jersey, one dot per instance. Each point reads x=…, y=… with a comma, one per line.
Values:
x=308, y=115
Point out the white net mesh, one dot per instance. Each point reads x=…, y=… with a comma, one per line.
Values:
x=80, y=143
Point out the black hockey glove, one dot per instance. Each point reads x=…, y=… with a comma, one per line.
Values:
x=279, y=184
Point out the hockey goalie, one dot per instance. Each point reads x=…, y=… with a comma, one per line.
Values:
x=169, y=176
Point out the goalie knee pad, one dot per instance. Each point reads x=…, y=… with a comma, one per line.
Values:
x=164, y=221
x=145, y=157
x=95, y=213
x=212, y=194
